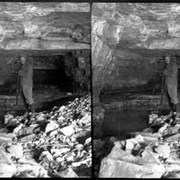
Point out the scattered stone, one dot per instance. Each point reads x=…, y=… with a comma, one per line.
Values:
x=17, y=129
x=150, y=156
x=54, y=141
x=163, y=150
x=122, y=169
x=152, y=153
x=5, y=158
x=7, y=171
x=45, y=155
x=6, y=138
x=52, y=125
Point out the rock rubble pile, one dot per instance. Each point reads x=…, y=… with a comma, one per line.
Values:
x=55, y=144
x=152, y=153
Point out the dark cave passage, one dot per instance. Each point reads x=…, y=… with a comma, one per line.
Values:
x=56, y=75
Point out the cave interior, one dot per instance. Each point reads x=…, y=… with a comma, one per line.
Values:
x=57, y=75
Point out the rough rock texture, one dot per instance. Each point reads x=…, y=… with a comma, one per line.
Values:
x=152, y=153
x=74, y=64
x=128, y=44
x=44, y=26
x=126, y=40
x=66, y=72
x=57, y=143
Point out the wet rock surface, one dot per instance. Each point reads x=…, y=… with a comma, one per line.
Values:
x=54, y=144
x=151, y=153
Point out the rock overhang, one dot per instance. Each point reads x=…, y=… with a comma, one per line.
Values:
x=44, y=26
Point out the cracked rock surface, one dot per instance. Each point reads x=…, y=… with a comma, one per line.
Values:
x=54, y=144
x=152, y=153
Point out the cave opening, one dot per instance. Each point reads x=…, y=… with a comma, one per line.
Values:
x=58, y=76
x=132, y=89
x=130, y=41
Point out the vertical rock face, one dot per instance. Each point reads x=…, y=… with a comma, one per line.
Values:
x=44, y=25
x=69, y=70
x=44, y=30
x=126, y=40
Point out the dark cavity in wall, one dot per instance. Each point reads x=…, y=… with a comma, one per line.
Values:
x=132, y=89
x=61, y=70
x=136, y=72
x=55, y=74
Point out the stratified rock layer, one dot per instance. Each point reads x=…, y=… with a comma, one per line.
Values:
x=126, y=40
x=42, y=26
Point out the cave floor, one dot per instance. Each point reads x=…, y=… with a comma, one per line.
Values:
x=45, y=97
x=135, y=101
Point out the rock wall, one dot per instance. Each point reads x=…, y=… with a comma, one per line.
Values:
x=70, y=71
x=44, y=26
x=127, y=38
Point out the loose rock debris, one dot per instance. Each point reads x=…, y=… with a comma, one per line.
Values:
x=152, y=153
x=55, y=144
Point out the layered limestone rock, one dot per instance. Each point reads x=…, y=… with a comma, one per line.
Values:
x=44, y=26
x=126, y=40
x=129, y=41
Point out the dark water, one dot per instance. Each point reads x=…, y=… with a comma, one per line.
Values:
x=119, y=123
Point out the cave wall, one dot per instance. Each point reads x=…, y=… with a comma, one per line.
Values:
x=69, y=71
x=127, y=40
x=132, y=72
x=45, y=31
x=44, y=26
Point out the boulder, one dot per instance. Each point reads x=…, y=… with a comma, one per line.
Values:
x=7, y=168
x=150, y=156
x=119, y=154
x=163, y=150
x=15, y=150
x=7, y=171
x=113, y=168
x=68, y=130
x=68, y=173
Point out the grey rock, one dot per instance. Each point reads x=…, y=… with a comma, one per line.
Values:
x=122, y=169
x=68, y=173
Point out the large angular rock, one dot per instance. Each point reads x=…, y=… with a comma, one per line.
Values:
x=52, y=125
x=7, y=171
x=150, y=156
x=112, y=168
x=5, y=158
x=163, y=150
x=15, y=150
x=119, y=154
x=68, y=130
x=7, y=168
x=68, y=173
x=6, y=138
x=44, y=26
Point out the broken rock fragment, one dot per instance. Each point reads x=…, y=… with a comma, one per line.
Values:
x=68, y=173
x=57, y=141
x=15, y=150
x=68, y=130
x=122, y=169
x=52, y=125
